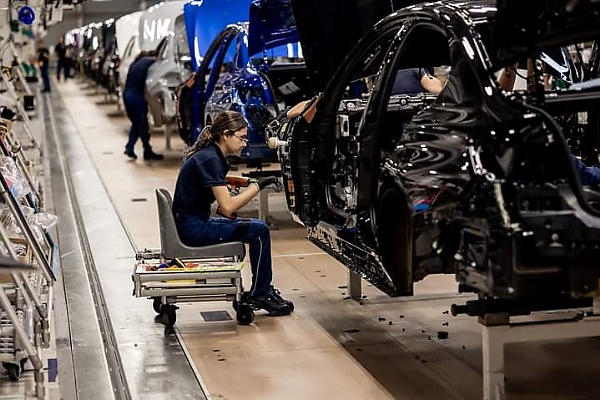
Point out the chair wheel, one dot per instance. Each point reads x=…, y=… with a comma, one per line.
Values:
x=235, y=305
x=168, y=314
x=156, y=303
x=245, y=315
x=13, y=371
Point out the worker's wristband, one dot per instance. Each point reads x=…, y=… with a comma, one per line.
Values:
x=257, y=185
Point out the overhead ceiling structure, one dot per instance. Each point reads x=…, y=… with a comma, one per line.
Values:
x=90, y=11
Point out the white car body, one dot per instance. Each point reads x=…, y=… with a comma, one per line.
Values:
x=162, y=27
x=127, y=28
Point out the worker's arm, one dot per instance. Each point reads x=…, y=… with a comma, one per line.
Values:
x=228, y=204
x=587, y=175
x=507, y=77
x=237, y=181
x=306, y=107
x=431, y=84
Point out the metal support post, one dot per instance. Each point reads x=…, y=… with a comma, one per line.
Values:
x=354, y=285
x=167, y=132
x=263, y=205
x=494, y=337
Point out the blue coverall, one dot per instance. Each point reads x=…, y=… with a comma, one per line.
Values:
x=135, y=103
x=587, y=175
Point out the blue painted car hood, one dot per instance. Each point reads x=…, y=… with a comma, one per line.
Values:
x=205, y=19
x=271, y=24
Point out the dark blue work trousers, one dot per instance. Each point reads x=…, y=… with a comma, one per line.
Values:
x=62, y=64
x=45, y=77
x=195, y=231
x=136, y=108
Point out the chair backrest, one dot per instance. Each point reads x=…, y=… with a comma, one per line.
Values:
x=172, y=246
x=166, y=221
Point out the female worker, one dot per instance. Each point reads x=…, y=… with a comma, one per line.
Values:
x=202, y=180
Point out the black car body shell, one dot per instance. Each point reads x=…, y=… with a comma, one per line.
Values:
x=476, y=183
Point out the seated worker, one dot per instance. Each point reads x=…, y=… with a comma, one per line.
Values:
x=413, y=81
x=202, y=180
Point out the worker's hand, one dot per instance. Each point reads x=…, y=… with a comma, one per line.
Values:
x=237, y=181
x=265, y=181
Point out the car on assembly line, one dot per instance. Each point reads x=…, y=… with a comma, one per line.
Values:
x=253, y=67
x=476, y=181
x=128, y=45
x=162, y=28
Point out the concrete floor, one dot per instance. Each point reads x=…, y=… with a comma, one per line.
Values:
x=331, y=347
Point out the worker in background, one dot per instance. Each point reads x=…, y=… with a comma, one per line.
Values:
x=69, y=60
x=61, y=64
x=412, y=81
x=43, y=64
x=587, y=175
x=136, y=106
x=202, y=180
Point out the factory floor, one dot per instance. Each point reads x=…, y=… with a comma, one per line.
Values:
x=331, y=347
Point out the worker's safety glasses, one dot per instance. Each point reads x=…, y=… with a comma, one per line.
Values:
x=243, y=137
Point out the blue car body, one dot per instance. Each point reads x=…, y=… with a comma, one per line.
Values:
x=254, y=68
x=204, y=19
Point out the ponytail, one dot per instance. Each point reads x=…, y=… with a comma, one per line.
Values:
x=204, y=138
x=224, y=124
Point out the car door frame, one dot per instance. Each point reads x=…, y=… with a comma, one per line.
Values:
x=217, y=48
x=319, y=134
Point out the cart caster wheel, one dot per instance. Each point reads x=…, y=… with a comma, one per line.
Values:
x=168, y=313
x=12, y=370
x=22, y=363
x=245, y=315
x=156, y=303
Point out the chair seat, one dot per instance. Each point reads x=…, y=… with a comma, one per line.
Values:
x=171, y=244
x=231, y=249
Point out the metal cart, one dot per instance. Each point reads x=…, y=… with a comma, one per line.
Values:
x=217, y=279
x=180, y=273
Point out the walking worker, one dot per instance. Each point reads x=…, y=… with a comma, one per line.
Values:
x=136, y=106
x=202, y=180
x=43, y=63
x=61, y=64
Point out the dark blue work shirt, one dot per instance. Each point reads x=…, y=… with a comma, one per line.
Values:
x=138, y=72
x=408, y=81
x=198, y=175
x=589, y=176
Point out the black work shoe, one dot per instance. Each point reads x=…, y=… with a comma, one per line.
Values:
x=269, y=303
x=277, y=296
x=130, y=154
x=150, y=155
